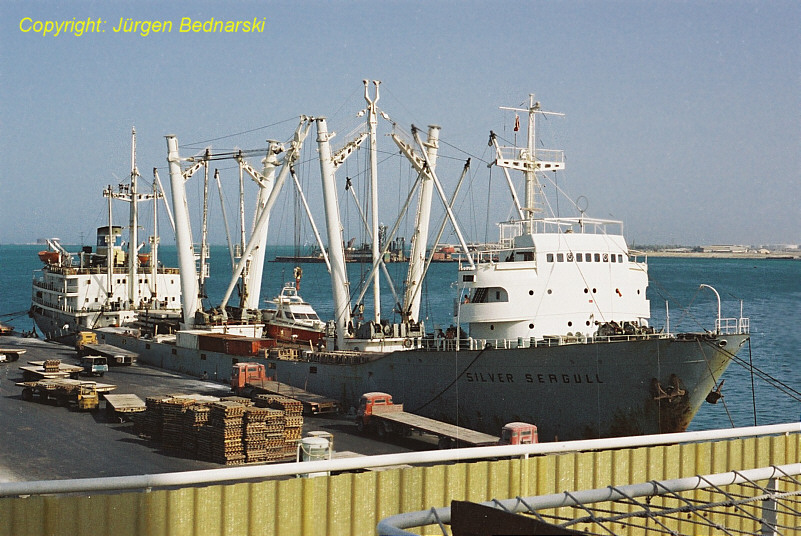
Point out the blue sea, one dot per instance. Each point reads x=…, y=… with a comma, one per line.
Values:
x=769, y=292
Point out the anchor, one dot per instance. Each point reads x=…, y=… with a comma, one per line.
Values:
x=715, y=394
x=672, y=391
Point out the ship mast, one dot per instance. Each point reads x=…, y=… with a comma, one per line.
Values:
x=414, y=278
x=529, y=161
x=336, y=250
x=154, y=246
x=183, y=235
x=376, y=250
x=133, y=233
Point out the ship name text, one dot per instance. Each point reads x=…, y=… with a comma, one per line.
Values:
x=505, y=377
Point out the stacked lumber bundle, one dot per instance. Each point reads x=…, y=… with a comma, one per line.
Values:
x=52, y=365
x=195, y=419
x=149, y=423
x=224, y=433
x=230, y=431
x=254, y=437
x=293, y=420
x=172, y=410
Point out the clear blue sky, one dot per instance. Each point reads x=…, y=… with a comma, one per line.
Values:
x=682, y=118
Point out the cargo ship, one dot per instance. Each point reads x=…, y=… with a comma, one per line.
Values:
x=551, y=327
x=108, y=285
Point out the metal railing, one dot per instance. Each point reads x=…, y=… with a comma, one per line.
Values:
x=765, y=504
x=260, y=472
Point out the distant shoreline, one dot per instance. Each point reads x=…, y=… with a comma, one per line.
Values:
x=725, y=255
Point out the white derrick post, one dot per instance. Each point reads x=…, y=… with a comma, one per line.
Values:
x=376, y=251
x=264, y=215
x=183, y=236
x=336, y=249
x=265, y=182
x=414, y=278
x=133, y=233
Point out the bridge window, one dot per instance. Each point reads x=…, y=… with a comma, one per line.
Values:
x=597, y=257
x=490, y=295
x=549, y=257
x=614, y=258
x=560, y=257
x=588, y=257
x=579, y=257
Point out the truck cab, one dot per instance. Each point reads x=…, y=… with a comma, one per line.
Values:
x=94, y=365
x=247, y=373
x=85, y=337
x=369, y=400
x=519, y=433
x=87, y=396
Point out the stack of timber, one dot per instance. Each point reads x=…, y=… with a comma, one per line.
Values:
x=149, y=423
x=229, y=431
x=195, y=418
x=172, y=410
x=52, y=365
x=293, y=419
x=224, y=433
x=254, y=437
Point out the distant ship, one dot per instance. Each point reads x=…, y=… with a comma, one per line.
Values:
x=107, y=286
x=550, y=327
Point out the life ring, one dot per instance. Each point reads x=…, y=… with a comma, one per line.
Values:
x=387, y=329
x=407, y=343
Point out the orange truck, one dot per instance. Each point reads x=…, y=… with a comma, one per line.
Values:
x=377, y=412
x=250, y=379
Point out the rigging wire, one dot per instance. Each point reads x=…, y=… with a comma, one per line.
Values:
x=189, y=145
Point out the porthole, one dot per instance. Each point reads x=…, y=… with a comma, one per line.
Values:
x=638, y=291
x=550, y=291
x=569, y=324
x=531, y=326
x=586, y=291
x=492, y=327
x=587, y=322
x=530, y=292
x=594, y=291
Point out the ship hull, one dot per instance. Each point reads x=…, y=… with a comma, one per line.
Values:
x=571, y=391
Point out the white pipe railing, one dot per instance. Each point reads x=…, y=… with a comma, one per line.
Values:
x=230, y=474
x=394, y=525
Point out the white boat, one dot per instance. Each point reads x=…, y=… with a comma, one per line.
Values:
x=292, y=319
x=108, y=285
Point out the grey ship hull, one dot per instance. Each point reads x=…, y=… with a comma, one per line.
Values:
x=572, y=391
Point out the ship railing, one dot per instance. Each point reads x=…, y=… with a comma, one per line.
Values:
x=117, y=270
x=732, y=326
x=450, y=345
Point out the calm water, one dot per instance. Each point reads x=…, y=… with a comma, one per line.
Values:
x=770, y=291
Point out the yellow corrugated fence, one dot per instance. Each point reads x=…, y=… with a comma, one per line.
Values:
x=353, y=503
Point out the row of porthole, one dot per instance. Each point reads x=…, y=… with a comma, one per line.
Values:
x=531, y=326
x=586, y=291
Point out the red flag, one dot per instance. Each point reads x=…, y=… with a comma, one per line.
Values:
x=517, y=122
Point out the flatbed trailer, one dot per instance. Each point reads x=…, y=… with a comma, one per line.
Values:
x=114, y=354
x=123, y=406
x=377, y=412
x=35, y=370
x=8, y=355
x=313, y=404
x=250, y=379
x=65, y=391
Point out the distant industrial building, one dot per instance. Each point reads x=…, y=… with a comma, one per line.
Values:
x=724, y=249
